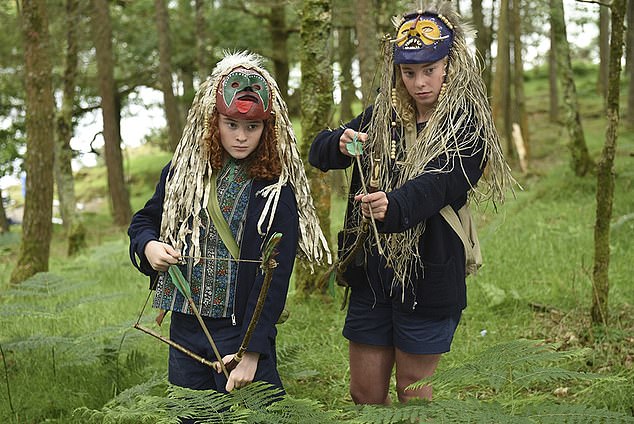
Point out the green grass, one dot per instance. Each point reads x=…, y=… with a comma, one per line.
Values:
x=67, y=340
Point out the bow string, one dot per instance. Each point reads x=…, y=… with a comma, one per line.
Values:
x=267, y=264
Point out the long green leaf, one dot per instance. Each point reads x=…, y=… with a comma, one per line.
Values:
x=179, y=281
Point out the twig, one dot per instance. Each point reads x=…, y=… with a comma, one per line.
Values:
x=6, y=376
x=600, y=3
x=366, y=192
x=174, y=345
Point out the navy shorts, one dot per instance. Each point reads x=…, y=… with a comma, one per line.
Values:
x=185, y=371
x=381, y=321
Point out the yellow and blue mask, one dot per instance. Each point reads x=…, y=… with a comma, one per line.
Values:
x=422, y=38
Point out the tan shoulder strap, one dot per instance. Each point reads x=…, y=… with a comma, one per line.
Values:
x=463, y=225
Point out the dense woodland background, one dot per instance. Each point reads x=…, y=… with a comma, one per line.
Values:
x=557, y=256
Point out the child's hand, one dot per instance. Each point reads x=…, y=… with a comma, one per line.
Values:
x=376, y=201
x=244, y=372
x=351, y=142
x=161, y=255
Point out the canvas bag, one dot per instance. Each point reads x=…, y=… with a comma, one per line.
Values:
x=463, y=225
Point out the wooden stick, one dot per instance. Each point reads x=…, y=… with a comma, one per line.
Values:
x=174, y=345
x=366, y=192
x=211, y=341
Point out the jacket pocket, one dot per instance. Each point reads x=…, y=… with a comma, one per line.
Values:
x=436, y=285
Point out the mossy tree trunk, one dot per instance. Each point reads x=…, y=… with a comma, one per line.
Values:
x=629, y=116
x=367, y=47
x=170, y=103
x=604, y=51
x=316, y=101
x=40, y=144
x=581, y=162
x=345, y=55
x=553, y=88
x=4, y=221
x=345, y=51
x=102, y=37
x=605, y=172
x=75, y=230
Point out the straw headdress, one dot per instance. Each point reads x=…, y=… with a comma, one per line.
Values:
x=188, y=184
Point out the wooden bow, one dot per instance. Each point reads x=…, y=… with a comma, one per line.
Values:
x=267, y=264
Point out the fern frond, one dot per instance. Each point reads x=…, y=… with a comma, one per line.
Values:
x=208, y=406
x=375, y=414
x=85, y=301
x=452, y=411
x=537, y=375
x=138, y=405
x=44, y=284
x=39, y=341
x=157, y=384
x=511, y=364
x=287, y=354
x=14, y=311
x=570, y=413
x=293, y=411
x=256, y=396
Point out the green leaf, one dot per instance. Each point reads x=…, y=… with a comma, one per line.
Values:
x=270, y=246
x=179, y=281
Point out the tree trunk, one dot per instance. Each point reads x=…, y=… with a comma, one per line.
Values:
x=553, y=88
x=488, y=71
x=367, y=48
x=629, y=117
x=502, y=86
x=482, y=42
x=604, y=50
x=385, y=10
x=316, y=100
x=580, y=158
x=172, y=114
x=102, y=37
x=279, y=38
x=40, y=110
x=518, y=77
x=345, y=51
x=186, y=73
x=75, y=230
x=4, y=221
x=201, y=40
x=605, y=172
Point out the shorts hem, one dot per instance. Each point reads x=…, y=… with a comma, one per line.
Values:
x=363, y=338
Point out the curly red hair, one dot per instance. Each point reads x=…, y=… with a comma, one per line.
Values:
x=264, y=163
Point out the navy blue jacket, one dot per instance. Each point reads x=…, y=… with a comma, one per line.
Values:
x=439, y=288
x=146, y=224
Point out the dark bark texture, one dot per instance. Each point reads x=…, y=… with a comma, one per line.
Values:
x=40, y=110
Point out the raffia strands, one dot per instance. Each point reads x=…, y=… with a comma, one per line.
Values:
x=188, y=185
x=463, y=104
